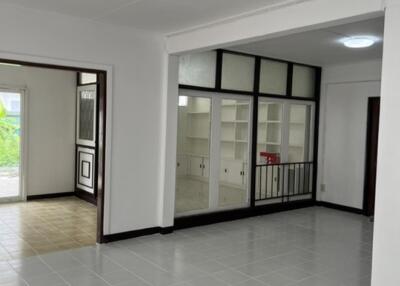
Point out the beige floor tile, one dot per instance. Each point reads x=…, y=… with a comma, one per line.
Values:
x=43, y=226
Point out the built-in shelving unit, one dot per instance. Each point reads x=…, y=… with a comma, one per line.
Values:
x=235, y=129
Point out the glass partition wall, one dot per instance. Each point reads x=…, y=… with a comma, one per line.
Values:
x=246, y=132
x=212, y=152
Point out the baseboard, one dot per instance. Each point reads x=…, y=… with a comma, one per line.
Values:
x=340, y=207
x=222, y=216
x=49, y=196
x=88, y=197
x=136, y=233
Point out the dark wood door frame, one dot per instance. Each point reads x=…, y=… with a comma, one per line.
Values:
x=101, y=132
x=371, y=155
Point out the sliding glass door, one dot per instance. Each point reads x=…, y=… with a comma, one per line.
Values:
x=10, y=144
x=212, y=152
x=194, y=133
x=284, y=166
x=234, y=151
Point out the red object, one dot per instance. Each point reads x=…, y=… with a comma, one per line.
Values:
x=270, y=158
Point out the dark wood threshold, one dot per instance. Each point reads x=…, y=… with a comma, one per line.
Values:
x=222, y=216
x=85, y=196
x=339, y=207
x=49, y=196
x=136, y=233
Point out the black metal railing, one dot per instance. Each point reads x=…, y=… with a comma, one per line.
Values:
x=283, y=180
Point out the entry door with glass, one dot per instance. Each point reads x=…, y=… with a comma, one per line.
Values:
x=212, y=152
x=11, y=123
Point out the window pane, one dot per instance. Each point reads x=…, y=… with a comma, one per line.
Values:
x=192, y=172
x=10, y=139
x=86, y=78
x=234, y=152
x=299, y=133
x=237, y=72
x=273, y=77
x=198, y=69
x=303, y=81
x=86, y=115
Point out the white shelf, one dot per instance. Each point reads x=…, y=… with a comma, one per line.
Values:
x=234, y=121
x=194, y=155
x=296, y=146
x=197, y=137
x=268, y=143
x=198, y=112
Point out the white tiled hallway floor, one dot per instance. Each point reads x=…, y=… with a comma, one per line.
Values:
x=308, y=247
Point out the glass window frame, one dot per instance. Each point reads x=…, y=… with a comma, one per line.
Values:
x=255, y=94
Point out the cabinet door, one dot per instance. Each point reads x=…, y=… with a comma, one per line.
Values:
x=235, y=170
x=196, y=166
x=223, y=171
x=181, y=165
x=206, y=167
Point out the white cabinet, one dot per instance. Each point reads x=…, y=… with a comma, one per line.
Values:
x=196, y=166
x=233, y=172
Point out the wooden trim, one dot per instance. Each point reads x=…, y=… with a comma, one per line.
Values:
x=339, y=207
x=222, y=216
x=370, y=150
x=86, y=196
x=136, y=233
x=49, y=196
x=101, y=152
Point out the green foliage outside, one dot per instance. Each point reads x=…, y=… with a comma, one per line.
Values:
x=9, y=139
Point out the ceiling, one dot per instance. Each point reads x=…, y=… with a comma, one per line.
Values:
x=163, y=16
x=321, y=47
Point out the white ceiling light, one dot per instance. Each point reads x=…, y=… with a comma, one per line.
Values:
x=358, y=42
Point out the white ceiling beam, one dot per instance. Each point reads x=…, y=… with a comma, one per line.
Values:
x=301, y=17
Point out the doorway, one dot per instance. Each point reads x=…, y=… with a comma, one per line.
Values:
x=60, y=194
x=371, y=155
x=11, y=141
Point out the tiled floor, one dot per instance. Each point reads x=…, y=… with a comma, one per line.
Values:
x=42, y=226
x=308, y=247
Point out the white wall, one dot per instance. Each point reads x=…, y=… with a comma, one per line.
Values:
x=51, y=126
x=386, y=249
x=343, y=129
x=135, y=96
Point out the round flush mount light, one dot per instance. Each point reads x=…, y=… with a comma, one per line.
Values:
x=358, y=42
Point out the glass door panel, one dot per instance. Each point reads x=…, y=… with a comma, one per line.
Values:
x=269, y=147
x=193, y=149
x=234, y=152
x=10, y=145
x=299, y=133
x=269, y=139
x=299, y=175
